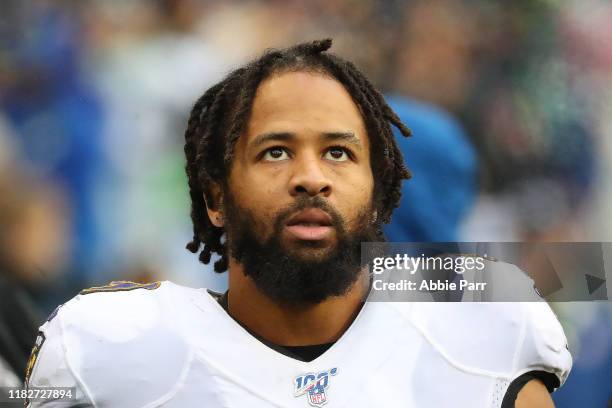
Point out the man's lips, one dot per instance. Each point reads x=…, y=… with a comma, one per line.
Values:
x=311, y=216
x=311, y=224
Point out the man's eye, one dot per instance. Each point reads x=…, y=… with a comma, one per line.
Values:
x=275, y=154
x=337, y=154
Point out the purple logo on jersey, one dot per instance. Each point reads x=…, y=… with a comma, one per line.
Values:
x=314, y=386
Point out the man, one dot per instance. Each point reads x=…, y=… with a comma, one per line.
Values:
x=292, y=164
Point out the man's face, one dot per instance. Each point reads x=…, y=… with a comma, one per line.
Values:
x=301, y=184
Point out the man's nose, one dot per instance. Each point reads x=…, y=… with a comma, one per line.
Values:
x=309, y=178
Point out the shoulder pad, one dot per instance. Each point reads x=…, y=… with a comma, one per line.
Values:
x=544, y=347
x=113, y=334
x=497, y=339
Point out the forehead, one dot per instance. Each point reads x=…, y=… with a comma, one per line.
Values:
x=303, y=102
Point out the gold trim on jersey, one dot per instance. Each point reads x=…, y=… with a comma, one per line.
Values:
x=34, y=356
x=120, y=286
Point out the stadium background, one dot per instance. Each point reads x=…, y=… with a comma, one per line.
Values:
x=94, y=97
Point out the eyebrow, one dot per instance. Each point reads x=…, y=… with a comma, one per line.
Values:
x=272, y=136
x=348, y=137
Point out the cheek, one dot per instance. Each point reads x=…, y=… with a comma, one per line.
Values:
x=259, y=197
x=358, y=194
x=264, y=179
x=363, y=184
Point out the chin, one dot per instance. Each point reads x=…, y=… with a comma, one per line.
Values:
x=311, y=251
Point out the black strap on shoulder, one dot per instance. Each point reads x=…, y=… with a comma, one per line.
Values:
x=221, y=298
x=550, y=381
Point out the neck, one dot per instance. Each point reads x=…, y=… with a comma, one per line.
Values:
x=290, y=325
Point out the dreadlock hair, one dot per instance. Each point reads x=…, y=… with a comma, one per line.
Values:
x=220, y=116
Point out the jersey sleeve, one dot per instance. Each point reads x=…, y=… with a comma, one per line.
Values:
x=48, y=367
x=544, y=346
x=119, y=345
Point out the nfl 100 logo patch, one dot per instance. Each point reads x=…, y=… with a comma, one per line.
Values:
x=314, y=385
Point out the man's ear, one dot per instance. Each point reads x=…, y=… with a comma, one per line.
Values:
x=214, y=205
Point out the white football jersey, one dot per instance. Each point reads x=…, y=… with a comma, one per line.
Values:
x=172, y=346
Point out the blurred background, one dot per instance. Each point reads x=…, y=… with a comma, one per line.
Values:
x=510, y=104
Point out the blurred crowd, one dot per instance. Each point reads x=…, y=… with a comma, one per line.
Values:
x=94, y=97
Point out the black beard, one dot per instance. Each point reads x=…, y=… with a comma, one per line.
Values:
x=289, y=279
